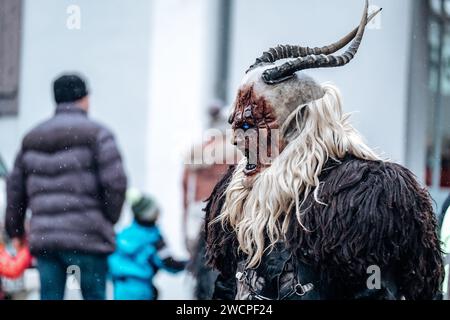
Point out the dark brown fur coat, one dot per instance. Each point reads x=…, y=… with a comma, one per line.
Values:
x=376, y=214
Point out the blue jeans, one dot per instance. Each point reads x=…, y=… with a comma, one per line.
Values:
x=89, y=269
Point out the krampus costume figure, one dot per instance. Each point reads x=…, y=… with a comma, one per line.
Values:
x=326, y=218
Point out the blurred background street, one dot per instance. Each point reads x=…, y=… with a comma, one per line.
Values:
x=155, y=66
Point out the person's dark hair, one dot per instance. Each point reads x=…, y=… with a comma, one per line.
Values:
x=69, y=88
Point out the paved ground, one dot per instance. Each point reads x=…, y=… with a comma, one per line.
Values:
x=171, y=287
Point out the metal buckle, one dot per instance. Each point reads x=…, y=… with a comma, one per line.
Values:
x=301, y=290
x=241, y=276
x=259, y=297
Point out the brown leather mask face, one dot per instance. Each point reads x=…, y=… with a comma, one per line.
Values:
x=255, y=130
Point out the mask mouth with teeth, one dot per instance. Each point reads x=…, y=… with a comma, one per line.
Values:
x=270, y=92
x=254, y=129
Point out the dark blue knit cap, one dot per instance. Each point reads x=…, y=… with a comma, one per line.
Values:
x=69, y=88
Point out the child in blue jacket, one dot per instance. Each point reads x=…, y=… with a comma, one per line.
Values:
x=140, y=253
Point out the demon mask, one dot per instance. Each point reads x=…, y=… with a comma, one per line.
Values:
x=270, y=92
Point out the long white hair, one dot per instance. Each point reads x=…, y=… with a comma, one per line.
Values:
x=314, y=133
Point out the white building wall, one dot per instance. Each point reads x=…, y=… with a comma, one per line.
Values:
x=420, y=100
x=176, y=93
x=179, y=90
x=111, y=49
x=374, y=85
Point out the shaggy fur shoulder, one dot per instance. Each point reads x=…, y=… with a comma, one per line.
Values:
x=221, y=246
x=370, y=213
x=373, y=213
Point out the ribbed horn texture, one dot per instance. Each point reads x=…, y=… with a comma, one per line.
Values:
x=286, y=71
x=291, y=51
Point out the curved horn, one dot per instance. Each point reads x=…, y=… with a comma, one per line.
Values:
x=290, y=51
x=287, y=70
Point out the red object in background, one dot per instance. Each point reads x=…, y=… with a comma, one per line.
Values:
x=14, y=266
x=445, y=177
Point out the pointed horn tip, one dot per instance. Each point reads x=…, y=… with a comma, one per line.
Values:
x=376, y=12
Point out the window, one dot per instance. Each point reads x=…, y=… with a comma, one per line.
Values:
x=438, y=131
x=10, y=30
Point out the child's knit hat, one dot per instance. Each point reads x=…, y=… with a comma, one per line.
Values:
x=144, y=207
